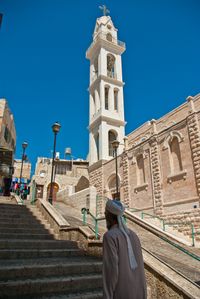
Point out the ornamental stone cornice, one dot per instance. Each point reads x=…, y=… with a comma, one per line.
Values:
x=107, y=119
x=106, y=79
x=103, y=43
x=153, y=139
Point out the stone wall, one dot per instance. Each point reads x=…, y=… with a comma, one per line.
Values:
x=169, y=177
x=73, y=173
x=26, y=173
x=83, y=199
x=183, y=221
x=8, y=140
x=96, y=180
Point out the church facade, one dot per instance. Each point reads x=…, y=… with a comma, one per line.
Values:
x=159, y=162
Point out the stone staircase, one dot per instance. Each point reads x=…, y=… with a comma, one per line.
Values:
x=181, y=233
x=35, y=264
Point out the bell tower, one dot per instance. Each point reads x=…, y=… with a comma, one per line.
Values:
x=106, y=116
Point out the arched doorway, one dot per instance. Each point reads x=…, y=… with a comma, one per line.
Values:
x=112, y=187
x=55, y=189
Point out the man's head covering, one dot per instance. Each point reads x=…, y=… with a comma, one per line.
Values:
x=115, y=207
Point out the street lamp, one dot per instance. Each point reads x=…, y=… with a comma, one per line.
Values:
x=55, y=128
x=24, y=146
x=115, y=145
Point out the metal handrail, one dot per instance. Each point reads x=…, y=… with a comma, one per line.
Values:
x=178, y=247
x=144, y=213
x=193, y=233
x=86, y=212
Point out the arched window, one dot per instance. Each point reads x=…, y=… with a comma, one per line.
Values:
x=106, y=98
x=109, y=37
x=116, y=99
x=96, y=138
x=175, y=155
x=111, y=137
x=140, y=170
x=111, y=66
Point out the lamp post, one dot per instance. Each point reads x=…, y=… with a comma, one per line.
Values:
x=115, y=145
x=55, y=128
x=24, y=146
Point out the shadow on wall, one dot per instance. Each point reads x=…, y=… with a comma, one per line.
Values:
x=82, y=184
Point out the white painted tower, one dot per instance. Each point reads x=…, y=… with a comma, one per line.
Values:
x=106, y=122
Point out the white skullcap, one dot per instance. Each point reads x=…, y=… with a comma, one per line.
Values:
x=115, y=207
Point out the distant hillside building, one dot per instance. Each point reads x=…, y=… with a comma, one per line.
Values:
x=7, y=146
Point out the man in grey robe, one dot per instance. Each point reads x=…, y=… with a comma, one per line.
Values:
x=123, y=267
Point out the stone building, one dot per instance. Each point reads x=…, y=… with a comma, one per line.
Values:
x=159, y=162
x=26, y=171
x=106, y=119
x=70, y=175
x=7, y=145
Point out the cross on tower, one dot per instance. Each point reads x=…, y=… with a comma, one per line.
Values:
x=104, y=9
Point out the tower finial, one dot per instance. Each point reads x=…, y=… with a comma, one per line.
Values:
x=104, y=10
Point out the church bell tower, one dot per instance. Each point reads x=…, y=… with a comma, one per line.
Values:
x=106, y=116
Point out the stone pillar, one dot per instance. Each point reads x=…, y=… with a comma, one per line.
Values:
x=125, y=143
x=194, y=136
x=156, y=171
x=126, y=185
x=96, y=180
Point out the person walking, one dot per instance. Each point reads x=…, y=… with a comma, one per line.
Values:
x=123, y=266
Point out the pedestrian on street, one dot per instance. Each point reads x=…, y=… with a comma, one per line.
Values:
x=123, y=266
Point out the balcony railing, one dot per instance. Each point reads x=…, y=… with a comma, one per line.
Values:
x=111, y=74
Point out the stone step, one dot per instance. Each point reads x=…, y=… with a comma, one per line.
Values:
x=25, y=221
x=19, y=288
x=35, y=253
x=97, y=294
x=25, y=230
x=12, y=207
x=15, y=212
x=48, y=261
x=33, y=264
x=35, y=244
x=24, y=224
x=39, y=236
x=47, y=270
x=18, y=216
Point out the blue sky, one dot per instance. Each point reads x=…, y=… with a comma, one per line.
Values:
x=44, y=74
